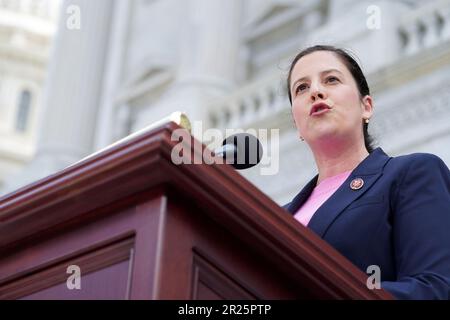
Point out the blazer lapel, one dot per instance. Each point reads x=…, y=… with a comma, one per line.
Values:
x=369, y=170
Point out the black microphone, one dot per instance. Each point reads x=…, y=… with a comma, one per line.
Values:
x=241, y=150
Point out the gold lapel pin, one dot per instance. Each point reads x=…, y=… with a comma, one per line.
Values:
x=357, y=184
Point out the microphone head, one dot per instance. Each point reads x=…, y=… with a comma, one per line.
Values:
x=247, y=153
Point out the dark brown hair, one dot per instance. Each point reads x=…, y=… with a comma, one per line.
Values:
x=354, y=69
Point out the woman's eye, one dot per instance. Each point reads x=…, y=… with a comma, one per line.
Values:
x=301, y=87
x=332, y=79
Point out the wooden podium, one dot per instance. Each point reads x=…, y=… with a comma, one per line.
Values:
x=140, y=227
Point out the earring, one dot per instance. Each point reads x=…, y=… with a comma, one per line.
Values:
x=366, y=121
x=301, y=138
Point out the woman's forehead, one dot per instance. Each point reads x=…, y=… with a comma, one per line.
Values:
x=318, y=62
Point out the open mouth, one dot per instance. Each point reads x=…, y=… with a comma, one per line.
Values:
x=319, y=109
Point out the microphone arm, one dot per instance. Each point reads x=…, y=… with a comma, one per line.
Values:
x=226, y=151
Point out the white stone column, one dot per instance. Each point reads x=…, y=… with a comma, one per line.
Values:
x=210, y=38
x=107, y=130
x=72, y=90
x=385, y=45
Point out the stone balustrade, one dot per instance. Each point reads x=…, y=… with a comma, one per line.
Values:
x=248, y=105
x=425, y=27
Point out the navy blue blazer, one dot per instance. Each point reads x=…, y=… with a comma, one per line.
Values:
x=398, y=220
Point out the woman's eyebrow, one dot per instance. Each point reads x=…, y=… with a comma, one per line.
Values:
x=330, y=70
x=321, y=73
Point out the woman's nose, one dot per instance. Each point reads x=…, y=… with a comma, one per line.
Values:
x=317, y=93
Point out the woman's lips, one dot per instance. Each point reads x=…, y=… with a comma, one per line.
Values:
x=320, y=112
x=318, y=108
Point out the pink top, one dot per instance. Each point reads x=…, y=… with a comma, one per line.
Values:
x=319, y=195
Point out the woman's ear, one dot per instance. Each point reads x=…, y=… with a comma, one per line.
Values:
x=367, y=107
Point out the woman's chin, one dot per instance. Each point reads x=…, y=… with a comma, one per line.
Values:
x=324, y=134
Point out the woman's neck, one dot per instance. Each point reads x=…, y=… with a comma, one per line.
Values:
x=332, y=161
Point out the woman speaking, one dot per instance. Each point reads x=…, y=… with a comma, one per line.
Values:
x=391, y=212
